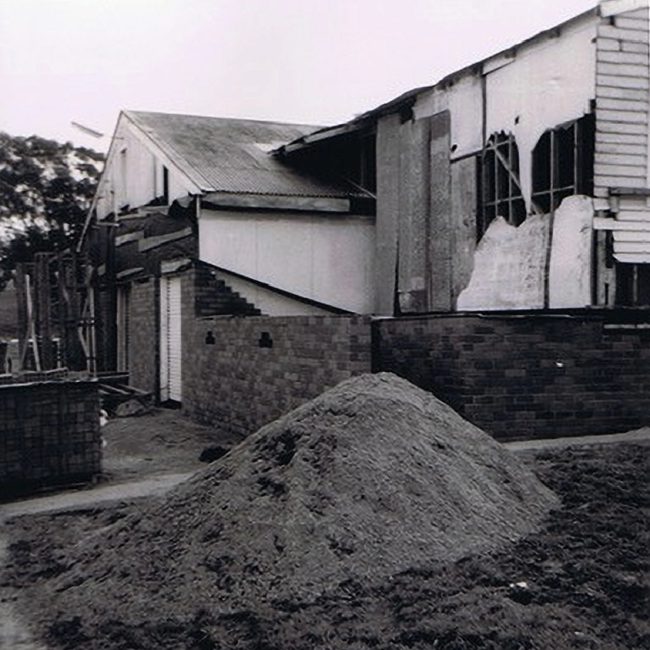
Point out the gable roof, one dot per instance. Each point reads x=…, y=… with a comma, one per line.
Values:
x=235, y=156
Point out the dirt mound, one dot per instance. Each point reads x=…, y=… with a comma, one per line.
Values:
x=372, y=478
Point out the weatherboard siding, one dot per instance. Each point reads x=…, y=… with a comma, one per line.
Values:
x=622, y=155
x=622, y=101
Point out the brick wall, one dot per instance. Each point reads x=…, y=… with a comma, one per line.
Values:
x=528, y=375
x=49, y=433
x=143, y=335
x=214, y=297
x=241, y=373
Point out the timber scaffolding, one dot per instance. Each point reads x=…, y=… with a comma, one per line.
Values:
x=56, y=313
x=58, y=328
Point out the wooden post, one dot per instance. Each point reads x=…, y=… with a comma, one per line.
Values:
x=21, y=300
x=43, y=309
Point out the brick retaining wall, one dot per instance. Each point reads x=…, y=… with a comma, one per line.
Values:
x=528, y=375
x=241, y=373
x=49, y=433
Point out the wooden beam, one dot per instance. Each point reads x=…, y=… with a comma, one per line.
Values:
x=21, y=300
x=272, y=202
x=152, y=242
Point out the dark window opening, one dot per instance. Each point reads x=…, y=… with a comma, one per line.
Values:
x=633, y=285
x=165, y=186
x=563, y=163
x=499, y=185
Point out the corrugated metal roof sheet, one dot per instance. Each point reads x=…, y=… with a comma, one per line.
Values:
x=232, y=155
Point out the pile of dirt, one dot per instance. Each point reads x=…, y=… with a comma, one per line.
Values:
x=372, y=478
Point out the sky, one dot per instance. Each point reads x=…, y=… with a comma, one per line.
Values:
x=315, y=62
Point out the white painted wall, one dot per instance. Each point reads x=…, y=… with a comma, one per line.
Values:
x=464, y=101
x=328, y=258
x=543, y=85
x=270, y=303
x=132, y=175
x=509, y=266
x=571, y=253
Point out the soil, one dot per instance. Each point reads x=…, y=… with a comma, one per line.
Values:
x=579, y=582
x=586, y=575
x=157, y=442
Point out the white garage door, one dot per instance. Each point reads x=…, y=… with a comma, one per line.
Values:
x=170, y=339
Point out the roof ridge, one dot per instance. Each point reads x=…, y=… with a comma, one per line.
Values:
x=225, y=119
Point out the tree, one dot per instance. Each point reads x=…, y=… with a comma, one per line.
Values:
x=45, y=192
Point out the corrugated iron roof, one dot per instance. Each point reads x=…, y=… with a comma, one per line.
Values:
x=232, y=155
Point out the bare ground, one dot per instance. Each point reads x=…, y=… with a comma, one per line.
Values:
x=580, y=582
x=159, y=442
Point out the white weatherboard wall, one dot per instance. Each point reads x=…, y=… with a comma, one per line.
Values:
x=326, y=258
x=623, y=127
x=133, y=176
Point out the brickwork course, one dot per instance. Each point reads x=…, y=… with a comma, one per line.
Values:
x=49, y=433
x=527, y=376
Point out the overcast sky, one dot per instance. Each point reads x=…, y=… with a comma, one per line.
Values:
x=307, y=61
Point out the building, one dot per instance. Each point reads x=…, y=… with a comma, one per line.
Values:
x=519, y=184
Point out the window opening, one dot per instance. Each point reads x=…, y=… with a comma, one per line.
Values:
x=563, y=163
x=633, y=285
x=500, y=188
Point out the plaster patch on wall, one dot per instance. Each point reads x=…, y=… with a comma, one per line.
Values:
x=571, y=253
x=509, y=266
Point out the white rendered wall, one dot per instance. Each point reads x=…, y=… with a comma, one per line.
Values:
x=327, y=258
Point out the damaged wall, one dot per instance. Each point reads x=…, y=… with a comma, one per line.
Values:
x=509, y=267
x=426, y=236
x=514, y=267
x=535, y=89
x=570, y=277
